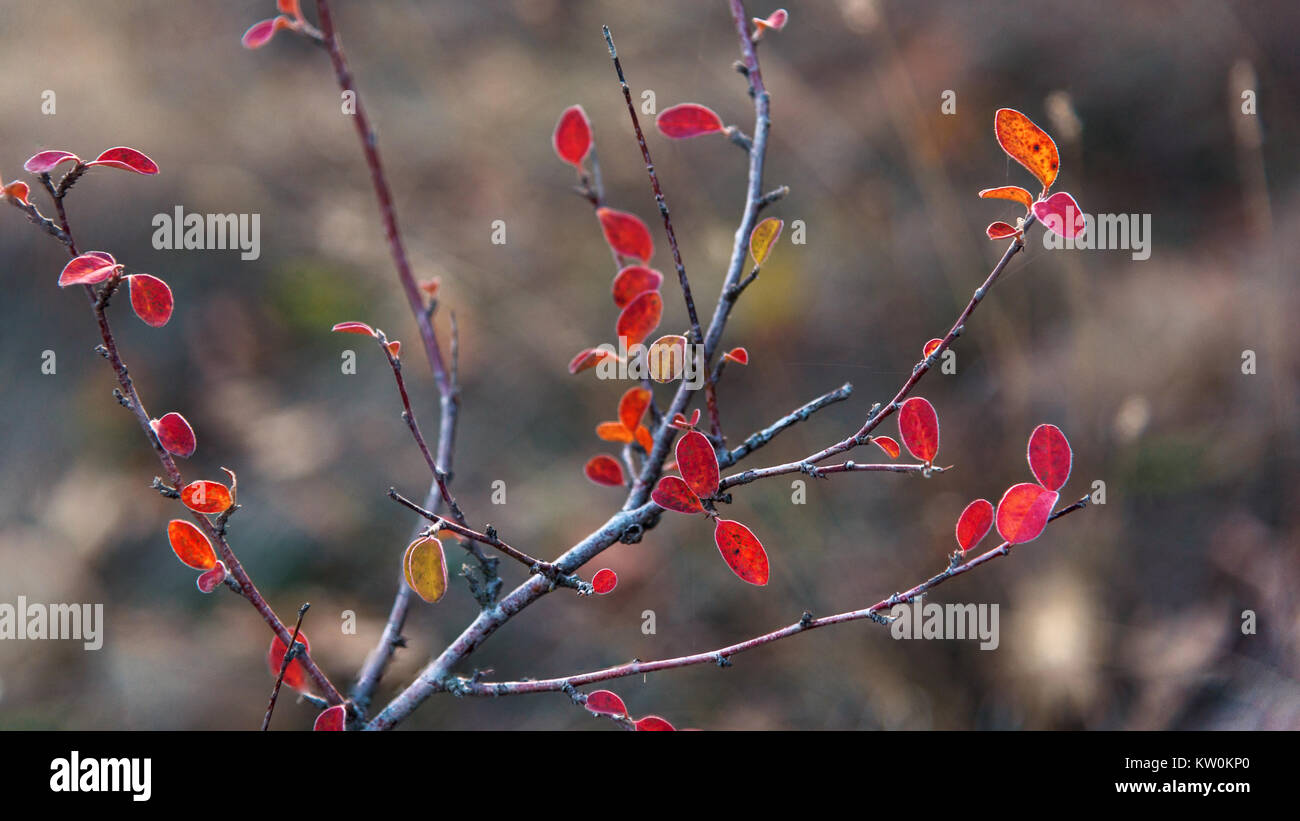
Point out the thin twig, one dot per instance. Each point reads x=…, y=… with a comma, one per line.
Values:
x=291, y=651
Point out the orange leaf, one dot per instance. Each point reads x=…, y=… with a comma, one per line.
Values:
x=644, y=439
x=738, y=355
x=640, y=317
x=1009, y=192
x=632, y=406
x=887, y=444
x=589, y=358
x=930, y=347
x=190, y=545
x=1027, y=144
x=634, y=280
x=613, y=432
x=206, y=497
x=666, y=358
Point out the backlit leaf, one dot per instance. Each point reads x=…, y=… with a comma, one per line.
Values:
x=688, y=120
x=604, y=470
x=46, y=161
x=604, y=581
x=674, y=494
x=974, y=523
x=738, y=355
x=261, y=32
x=763, y=237
x=603, y=702
x=296, y=676
x=90, y=268
x=887, y=444
x=1009, y=192
x=698, y=464
x=930, y=347
x=643, y=438
x=206, y=497
x=425, y=566
x=589, y=358
x=632, y=406
x=654, y=724
x=613, y=432
x=190, y=545
x=626, y=233
x=128, y=159
x=1023, y=512
x=742, y=551
x=1060, y=214
x=640, y=318
x=212, y=579
x=395, y=348
x=1000, y=230
x=919, y=426
x=666, y=358
x=1050, y=456
x=174, y=434
x=353, y=328
x=151, y=299
x=1027, y=144
x=634, y=280
x=331, y=719
x=17, y=190
x=775, y=22
x=572, y=137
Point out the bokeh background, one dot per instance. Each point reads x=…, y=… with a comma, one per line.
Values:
x=1126, y=615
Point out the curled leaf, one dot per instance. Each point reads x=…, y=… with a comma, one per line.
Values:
x=639, y=319
x=174, y=434
x=45, y=161
x=666, y=358
x=604, y=470
x=1027, y=144
x=1060, y=214
x=634, y=280
x=353, y=328
x=1050, y=456
x=974, y=523
x=261, y=32
x=919, y=426
x=425, y=566
x=190, y=545
x=1009, y=192
x=331, y=719
x=572, y=137
x=887, y=444
x=742, y=551
x=1023, y=512
x=212, y=579
x=674, y=494
x=679, y=420
x=1001, y=230
x=604, y=581
x=89, y=268
x=395, y=348
x=738, y=355
x=603, y=702
x=296, y=675
x=590, y=358
x=626, y=233
x=151, y=299
x=128, y=159
x=204, y=496
x=654, y=724
x=698, y=464
x=930, y=347
x=763, y=237
x=688, y=120
x=775, y=22
x=16, y=190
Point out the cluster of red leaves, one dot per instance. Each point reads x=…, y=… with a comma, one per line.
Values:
x=1029, y=145
x=1025, y=508
x=603, y=702
x=261, y=32
x=194, y=550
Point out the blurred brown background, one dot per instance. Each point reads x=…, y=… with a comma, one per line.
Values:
x=1125, y=615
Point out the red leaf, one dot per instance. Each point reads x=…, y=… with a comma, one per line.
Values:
x=742, y=551
x=674, y=494
x=887, y=444
x=90, y=268
x=1000, y=230
x=128, y=159
x=640, y=317
x=604, y=470
x=1060, y=214
x=151, y=298
x=289, y=7
x=212, y=579
x=174, y=434
x=296, y=676
x=738, y=355
x=206, y=497
x=572, y=137
x=930, y=347
x=353, y=328
x=1027, y=144
x=632, y=406
x=775, y=21
x=626, y=233
x=654, y=723
x=1023, y=511
x=261, y=32
x=604, y=581
x=395, y=348
x=698, y=464
x=919, y=426
x=974, y=523
x=633, y=281
x=46, y=161
x=688, y=120
x=1049, y=456
x=190, y=545
x=589, y=358
x=331, y=719
x=603, y=702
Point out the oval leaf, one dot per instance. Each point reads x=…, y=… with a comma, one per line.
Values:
x=151, y=298
x=698, y=464
x=46, y=161
x=1009, y=192
x=1049, y=456
x=206, y=497
x=261, y=32
x=1000, y=230
x=742, y=551
x=90, y=268
x=763, y=237
x=353, y=328
x=613, y=432
x=128, y=159
x=425, y=566
x=603, y=702
x=190, y=545
x=604, y=470
x=626, y=233
x=1060, y=214
x=887, y=444
x=674, y=494
x=212, y=579
x=331, y=719
x=654, y=724
x=666, y=358
x=296, y=676
x=632, y=406
x=604, y=581
x=1023, y=512
x=633, y=281
x=175, y=434
x=1027, y=144
x=974, y=523
x=589, y=358
x=688, y=120
x=572, y=137
x=639, y=319
x=919, y=426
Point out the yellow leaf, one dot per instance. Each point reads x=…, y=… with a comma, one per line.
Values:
x=426, y=568
x=763, y=238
